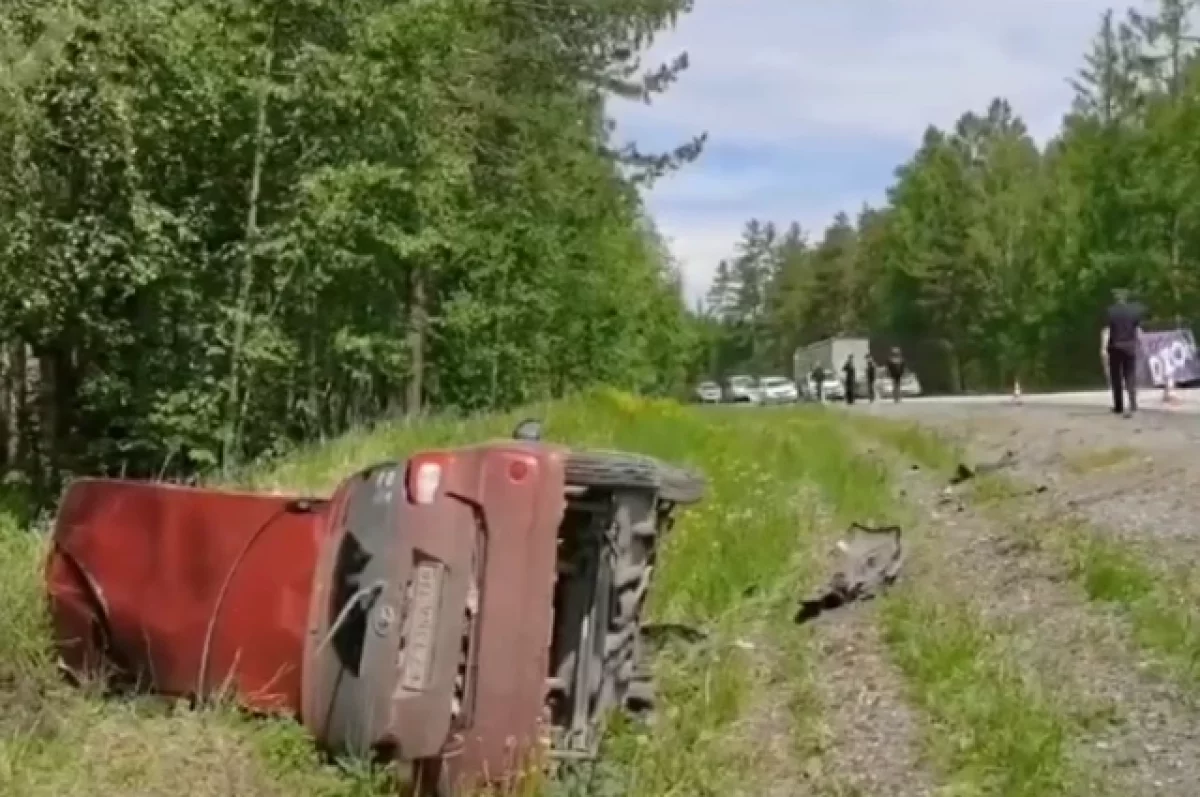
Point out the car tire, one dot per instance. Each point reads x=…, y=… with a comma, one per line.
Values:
x=617, y=469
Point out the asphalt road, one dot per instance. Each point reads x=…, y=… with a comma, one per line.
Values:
x=1185, y=400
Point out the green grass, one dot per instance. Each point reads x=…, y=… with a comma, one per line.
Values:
x=722, y=560
x=1091, y=460
x=995, y=732
x=923, y=446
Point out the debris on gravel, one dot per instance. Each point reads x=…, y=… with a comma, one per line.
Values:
x=1133, y=481
x=870, y=561
x=1133, y=730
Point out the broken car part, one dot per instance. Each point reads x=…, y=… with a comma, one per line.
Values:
x=870, y=559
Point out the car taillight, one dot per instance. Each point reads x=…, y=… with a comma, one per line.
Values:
x=425, y=477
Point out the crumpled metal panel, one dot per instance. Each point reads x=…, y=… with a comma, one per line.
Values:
x=184, y=590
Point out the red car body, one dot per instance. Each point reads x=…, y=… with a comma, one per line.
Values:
x=409, y=614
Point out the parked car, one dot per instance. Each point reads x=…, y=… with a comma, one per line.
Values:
x=742, y=389
x=833, y=389
x=778, y=390
x=910, y=386
x=708, y=393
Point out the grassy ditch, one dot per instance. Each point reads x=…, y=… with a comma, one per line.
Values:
x=721, y=560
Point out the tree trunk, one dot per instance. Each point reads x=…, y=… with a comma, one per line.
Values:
x=234, y=413
x=417, y=321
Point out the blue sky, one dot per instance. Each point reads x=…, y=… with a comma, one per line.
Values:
x=811, y=104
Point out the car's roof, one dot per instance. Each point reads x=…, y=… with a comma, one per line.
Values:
x=775, y=380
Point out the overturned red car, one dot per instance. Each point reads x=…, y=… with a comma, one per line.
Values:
x=471, y=611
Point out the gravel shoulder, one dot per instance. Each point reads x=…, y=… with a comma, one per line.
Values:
x=1133, y=480
x=873, y=734
x=1133, y=730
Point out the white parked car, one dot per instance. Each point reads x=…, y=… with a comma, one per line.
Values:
x=742, y=389
x=910, y=386
x=778, y=390
x=708, y=393
x=833, y=389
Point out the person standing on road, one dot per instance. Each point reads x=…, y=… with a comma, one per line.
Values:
x=818, y=378
x=895, y=368
x=1104, y=357
x=869, y=367
x=1121, y=337
x=851, y=376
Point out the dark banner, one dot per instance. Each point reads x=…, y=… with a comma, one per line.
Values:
x=1172, y=353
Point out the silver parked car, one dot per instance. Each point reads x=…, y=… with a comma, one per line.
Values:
x=742, y=389
x=910, y=386
x=708, y=392
x=778, y=390
x=832, y=389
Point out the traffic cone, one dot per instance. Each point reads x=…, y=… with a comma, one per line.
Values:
x=1016, y=393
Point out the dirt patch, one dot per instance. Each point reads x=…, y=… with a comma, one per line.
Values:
x=1133, y=733
x=873, y=735
x=832, y=719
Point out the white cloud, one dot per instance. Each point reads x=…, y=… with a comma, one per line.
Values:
x=699, y=241
x=775, y=80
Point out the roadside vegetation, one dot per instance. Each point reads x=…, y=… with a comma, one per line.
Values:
x=229, y=227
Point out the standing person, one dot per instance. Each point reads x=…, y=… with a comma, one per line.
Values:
x=851, y=375
x=1104, y=357
x=869, y=366
x=895, y=368
x=1123, y=330
x=818, y=378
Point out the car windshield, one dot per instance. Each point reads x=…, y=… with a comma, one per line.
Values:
x=741, y=380
x=709, y=386
x=774, y=381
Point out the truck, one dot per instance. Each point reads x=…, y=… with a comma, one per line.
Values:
x=830, y=354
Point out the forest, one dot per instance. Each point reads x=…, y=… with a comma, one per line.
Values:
x=231, y=226
x=994, y=257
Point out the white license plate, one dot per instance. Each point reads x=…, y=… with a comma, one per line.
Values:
x=422, y=625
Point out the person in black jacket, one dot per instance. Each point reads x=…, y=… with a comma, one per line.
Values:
x=851, y=374
x=1122, y=335
x=870, y=369
x=895, y=368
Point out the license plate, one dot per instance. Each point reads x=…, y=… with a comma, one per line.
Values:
x=422, y=625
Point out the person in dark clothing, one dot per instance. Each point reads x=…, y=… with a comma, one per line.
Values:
x=1122, y=336
x=851, y=377
x=869, y=366
x=895, y=368
x=818, y=378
